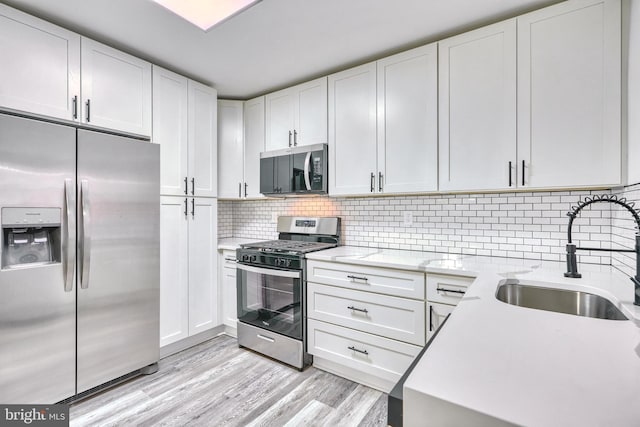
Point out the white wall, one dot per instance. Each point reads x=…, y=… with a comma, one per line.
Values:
x=631, y=37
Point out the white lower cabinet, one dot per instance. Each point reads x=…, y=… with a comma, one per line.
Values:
x=444, y=292
x=436, y=314
x=228, y=291
x=188, y=267
x=364, y=323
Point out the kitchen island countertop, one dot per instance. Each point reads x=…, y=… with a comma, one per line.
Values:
x=499, y=364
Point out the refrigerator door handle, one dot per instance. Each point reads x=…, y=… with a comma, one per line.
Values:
x=68, y=250
x=86, y=234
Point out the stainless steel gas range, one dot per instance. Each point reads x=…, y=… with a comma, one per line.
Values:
x=271, y=283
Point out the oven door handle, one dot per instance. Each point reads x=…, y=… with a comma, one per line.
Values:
x=294, y=274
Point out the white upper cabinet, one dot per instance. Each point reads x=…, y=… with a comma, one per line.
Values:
x=352, y=131
x=185, y=126
x=40, y=71
x=569, y=95
x=408, y=121
x=477, y=109
x=230, y=149
x=253, y=145
x=203, y=148
x=116, y=89
x=297, y=115
x=170, y=129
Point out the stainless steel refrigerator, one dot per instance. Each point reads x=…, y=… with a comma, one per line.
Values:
x=79, y=251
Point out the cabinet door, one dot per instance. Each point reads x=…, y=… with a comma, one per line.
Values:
x=477, y=105
x=352, y=130
x=408, y=121
x=569, y=95
x=253, y=145
x=170, y=129
x=279, y=119
x=174, y=270
x=203, y=150
x=116, y=89
x=203, y=239
x=310, y=113
x=230, y=149
x=40, y=70
x=436, y=314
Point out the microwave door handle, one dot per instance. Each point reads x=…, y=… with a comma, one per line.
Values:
x=86, y=234
x=293, y=274
x=68, y=249
x=307, y=167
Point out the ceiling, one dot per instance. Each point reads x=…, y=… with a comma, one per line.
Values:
x=276, y=43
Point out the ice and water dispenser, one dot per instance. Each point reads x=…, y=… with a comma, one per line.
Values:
x=30, y=236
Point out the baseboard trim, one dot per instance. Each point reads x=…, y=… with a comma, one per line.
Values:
x=353, y=374
x=188, y=342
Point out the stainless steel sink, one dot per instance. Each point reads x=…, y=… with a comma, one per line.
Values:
x=558, y=300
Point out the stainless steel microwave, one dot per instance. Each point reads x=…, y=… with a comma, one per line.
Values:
x=294, y=171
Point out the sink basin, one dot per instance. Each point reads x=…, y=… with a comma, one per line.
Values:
x=558, y=300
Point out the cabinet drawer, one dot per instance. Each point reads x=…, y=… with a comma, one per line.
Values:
x=447, y=289
x=397, y=318
x=381, y=357
x=400, y=283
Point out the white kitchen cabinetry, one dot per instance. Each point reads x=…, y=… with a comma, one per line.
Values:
x=185, y=126
x=352, y=131
x=365, y=323
x=230, y=149
x=477, y=109
x=569, y=95
x=443, y=294
x=40, y=70
x=240, y=142
x=408, y=121
x=228, y=292
x=116, y=89
x=297, y=115
x=188, y=280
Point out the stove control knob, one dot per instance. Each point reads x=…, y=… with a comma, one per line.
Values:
x=278, y=261
x=245, y=258
x=253, y=258
x=288, y=262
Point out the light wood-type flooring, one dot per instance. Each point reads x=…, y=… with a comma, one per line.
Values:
x=218, y=384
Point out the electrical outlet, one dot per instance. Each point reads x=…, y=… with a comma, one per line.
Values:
x=408, y=219
x=274, y=216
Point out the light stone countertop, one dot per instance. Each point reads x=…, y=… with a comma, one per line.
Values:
x=233, y=243
x=498, y=364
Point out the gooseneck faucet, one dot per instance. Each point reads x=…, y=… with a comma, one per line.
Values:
x=572, y=263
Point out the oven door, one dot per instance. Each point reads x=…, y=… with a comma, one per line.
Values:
x=271, y=299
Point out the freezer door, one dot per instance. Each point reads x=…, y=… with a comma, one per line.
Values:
x=118, y=256
x=37, y=300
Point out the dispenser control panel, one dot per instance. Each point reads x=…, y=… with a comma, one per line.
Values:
x=30, y=217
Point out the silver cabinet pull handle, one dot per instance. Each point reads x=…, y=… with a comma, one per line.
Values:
x=239, y=189
x=455, y=291
x=193, y=208
x=358, y=350
x=245, y=189
x=523, y=172
x=295, y=138
x=68, y=250
x=88, y=104
x=361, y=310
x=86, y=234
x=365, y=279
x=75, y=107
x=193, y=186
x=230, y=259
x=186, y=185
x=373, y=181
x=380, y=182
x=262, y=337
x=186, y=209
x=430, y=318
x=510, y=183
x=289, y=138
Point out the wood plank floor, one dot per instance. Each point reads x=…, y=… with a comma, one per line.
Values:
x=218, y=384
